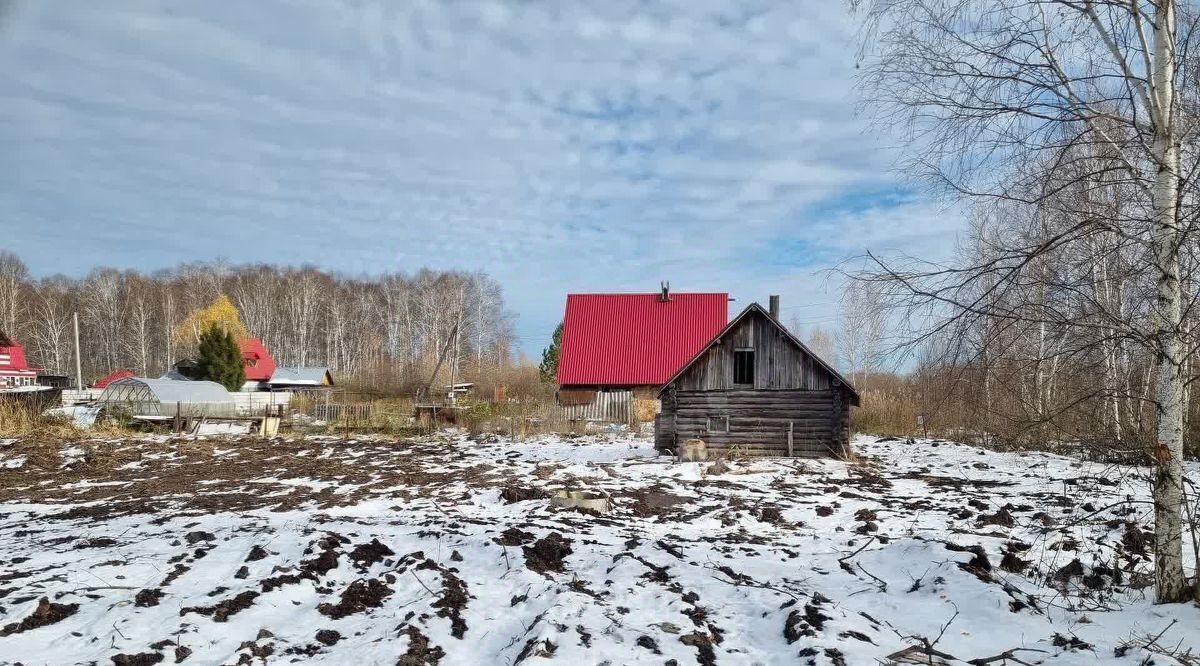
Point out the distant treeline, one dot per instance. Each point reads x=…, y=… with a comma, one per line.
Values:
x=389, y=331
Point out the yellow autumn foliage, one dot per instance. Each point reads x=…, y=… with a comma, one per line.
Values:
x=222, y=312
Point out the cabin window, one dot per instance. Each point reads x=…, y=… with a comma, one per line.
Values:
x=718, y=424
x=743, y=366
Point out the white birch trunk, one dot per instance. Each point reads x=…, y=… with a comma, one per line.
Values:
x=1168, y=453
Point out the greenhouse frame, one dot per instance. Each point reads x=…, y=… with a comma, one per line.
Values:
x=163, y=398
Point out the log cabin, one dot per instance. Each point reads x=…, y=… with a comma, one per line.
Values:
x=755, y=389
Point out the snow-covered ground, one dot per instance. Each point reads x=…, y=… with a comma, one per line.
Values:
x=446, y=550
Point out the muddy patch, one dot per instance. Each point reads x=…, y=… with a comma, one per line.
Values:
x=46, y=613
x=547, y=554
x=358, y=597
x=222, y=611
x=420, y=652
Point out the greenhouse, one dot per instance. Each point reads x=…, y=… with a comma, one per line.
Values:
x=151, y=398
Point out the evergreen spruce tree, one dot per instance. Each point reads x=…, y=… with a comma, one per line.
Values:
x=549, y=365
x=220, y=359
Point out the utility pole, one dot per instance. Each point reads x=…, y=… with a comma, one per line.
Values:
x=78, y=359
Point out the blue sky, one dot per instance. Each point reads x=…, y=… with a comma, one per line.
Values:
x=557, y=146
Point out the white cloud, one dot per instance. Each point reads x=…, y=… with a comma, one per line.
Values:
x=557, y=146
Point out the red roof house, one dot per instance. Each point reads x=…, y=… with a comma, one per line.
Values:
x=260, y=365
x=630, y=340
x=14, y=370
x=113, y=376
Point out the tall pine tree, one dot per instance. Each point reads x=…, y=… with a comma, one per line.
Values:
x=220, y=359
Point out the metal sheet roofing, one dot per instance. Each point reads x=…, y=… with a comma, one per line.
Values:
x=165, y=391
x=313, y=375
x=635, y=339
x=260, y=365
x=112, y=377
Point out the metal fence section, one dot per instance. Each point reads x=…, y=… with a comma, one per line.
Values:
x=609, y=406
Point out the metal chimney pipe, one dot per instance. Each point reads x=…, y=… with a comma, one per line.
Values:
x=774, y=306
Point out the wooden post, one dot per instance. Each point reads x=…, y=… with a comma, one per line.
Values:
x=178, y=418
x=791, y=451
x=78, y=359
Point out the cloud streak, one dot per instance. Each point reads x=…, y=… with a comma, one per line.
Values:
x=558, y=146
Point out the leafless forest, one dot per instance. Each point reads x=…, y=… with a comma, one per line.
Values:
x=389, y=331
x=1068, y=131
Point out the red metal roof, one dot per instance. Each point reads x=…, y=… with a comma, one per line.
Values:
x=113, y=376
x=635, y=339
x=260, y=365
x=12, y=360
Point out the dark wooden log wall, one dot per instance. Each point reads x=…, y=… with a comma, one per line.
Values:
x=778, y=364
x=758, y=421
x=790, y=387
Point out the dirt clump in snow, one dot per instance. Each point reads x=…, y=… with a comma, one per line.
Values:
x=256, y=553
x=196, y=537
x=513, y=494
x=142, y=659
x=420, y=652
x=541, y=649
x=650, y=503
x=147, y=598
x=357, y=598
x=1002, y=518
x=770, y=514
x=222, y=611
x=1073, y=569
x=979, y=564
x=46, y=613
x=1135, y=540
x=705, y=655
x=328, y=636
x=547, y=554
x=453, y=602
x=514, y=537
x=366, y=554
x=325, y=562
x=182, y=652
x=800, y=625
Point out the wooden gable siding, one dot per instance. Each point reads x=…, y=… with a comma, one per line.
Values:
x=778, y=364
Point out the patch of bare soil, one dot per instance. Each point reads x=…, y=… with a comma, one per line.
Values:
x=222, y=611
x=256, y=553
x=366, y=554
x=453, y=602
x=800, y=625
x=46, y=613
x=147, y=598
x=420, y=652
x=547, y=554
x=326, y=561
x=518, y=494
x=357, y=598
x=514, y=537
x=328, y=636
x=142, y=659
x=650, y=503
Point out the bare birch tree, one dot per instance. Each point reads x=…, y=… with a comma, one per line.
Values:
x=1020, y=102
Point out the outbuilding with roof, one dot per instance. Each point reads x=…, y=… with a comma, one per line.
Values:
x=621, y=346
x=756, y=389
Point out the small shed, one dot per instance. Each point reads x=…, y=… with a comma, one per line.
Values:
x=756, y=389
x=300, y=378
x=155, y=398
